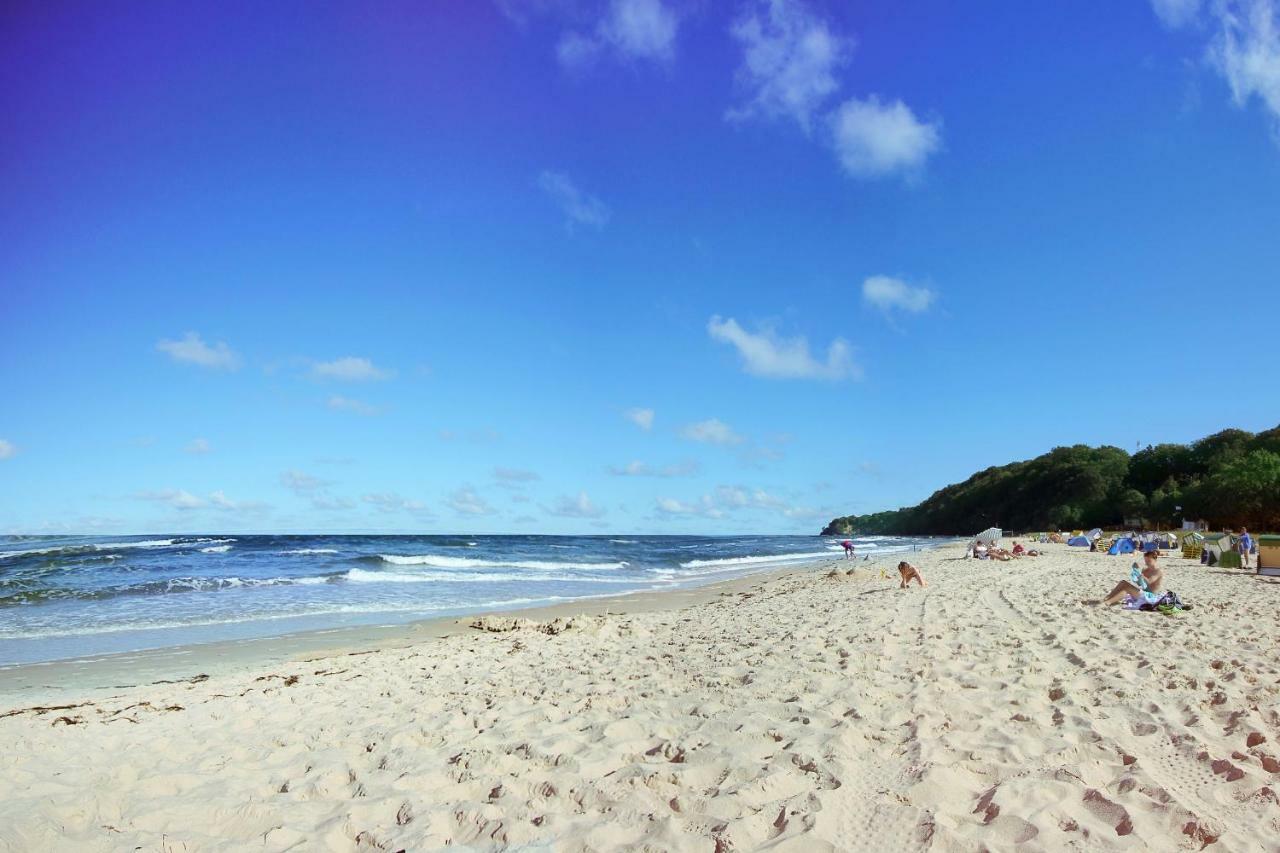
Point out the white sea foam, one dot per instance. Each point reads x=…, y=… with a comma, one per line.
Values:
x=313, y=551
x=623, y=541
x=749, y=561
x=466, y=563
x=216, y=549
x=366, y=576
x=148, y=543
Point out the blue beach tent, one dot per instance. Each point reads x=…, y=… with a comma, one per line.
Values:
x=1079, y=541
x=1121, y=546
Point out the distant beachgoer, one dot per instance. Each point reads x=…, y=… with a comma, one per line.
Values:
x=909, y=572
x=1018, y=550
x=848, y=549
x=1151, y=574
x=1245, y=546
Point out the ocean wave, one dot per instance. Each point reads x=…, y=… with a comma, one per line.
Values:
x=84, y=547
x=312, y=551
x=623, y=541
x=159, y=587
x=749, y=561
x=146, y=543
x=366, y=576
x=216, y=549
x=378, y=607
x=465, y=563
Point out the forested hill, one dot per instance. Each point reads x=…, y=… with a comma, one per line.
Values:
x=1231, y=478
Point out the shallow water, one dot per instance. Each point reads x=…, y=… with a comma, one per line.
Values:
x=73, y=596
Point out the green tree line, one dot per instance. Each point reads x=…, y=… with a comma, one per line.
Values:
x=1230, y=479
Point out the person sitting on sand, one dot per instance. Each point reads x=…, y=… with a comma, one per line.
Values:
x=980, y=550
x=1018, y=550
x=1151, y=573
x=908, y=572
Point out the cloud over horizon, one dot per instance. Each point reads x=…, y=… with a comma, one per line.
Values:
x=893, y=294
x=578, y=207
x=579, y=506
x=465, y=501
x=875, y=139
x=767, y=355
x=345, y=404
x=642, y=418
x=630, y=29
x=711, y=431
x=1244, y=46
x=191, y=349
x=789, y=62
x=349, y=369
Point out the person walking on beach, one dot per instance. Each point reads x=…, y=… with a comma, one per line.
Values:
x=1245, y=546
x=848, y=549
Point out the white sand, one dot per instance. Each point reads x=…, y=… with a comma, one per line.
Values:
x=991, y=710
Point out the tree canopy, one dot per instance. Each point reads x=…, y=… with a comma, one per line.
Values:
x=1230, y=479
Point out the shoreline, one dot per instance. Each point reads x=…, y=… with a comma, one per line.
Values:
x=817, y=708
x=51, y=681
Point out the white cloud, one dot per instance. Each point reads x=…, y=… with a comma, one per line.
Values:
x=193, y=350
x=475, y=436
x=346, y=404
x=641, y=469
x=767, y=355
x=465, y=501
x=889, y=294
x=575, y=507
x=1246, y=51
x=349, y=369
x=729, y=499
x=703, y=508
x=633, y=29
x=579, y=208
x=330, y=503
x=711, y=431
x=300, y=481
x=574, y=50
x=643, y=29
x=175, y=498
x=199, y=446
x=789, y=61
x=1176, y=13
x=874, y=139
x=1244, y=47
x=642, y=418
x=7, y=449
x=219, y=500
x=515, y=475
x=393, y=502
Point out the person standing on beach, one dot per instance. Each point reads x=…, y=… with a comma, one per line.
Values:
x=848, y=549
x=1245, y=545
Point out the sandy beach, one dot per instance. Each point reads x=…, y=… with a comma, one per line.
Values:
x=806, y=710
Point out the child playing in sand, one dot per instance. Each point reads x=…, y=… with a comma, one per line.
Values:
x=908, y=572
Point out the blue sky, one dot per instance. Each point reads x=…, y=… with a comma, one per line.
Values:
x=627, y=265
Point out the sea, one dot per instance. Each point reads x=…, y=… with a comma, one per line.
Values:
x=73, y=597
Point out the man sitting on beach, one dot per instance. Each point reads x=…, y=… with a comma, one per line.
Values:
x=908, y=571
x=1151, y=572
